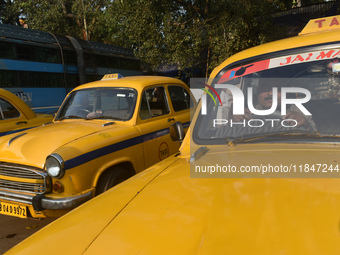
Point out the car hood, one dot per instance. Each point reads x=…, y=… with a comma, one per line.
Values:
x=164, y=211
x=44, y=140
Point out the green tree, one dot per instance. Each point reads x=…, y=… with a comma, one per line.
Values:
x=9, y=14
x=191, y=33
x=77, y=18
x=186, y=33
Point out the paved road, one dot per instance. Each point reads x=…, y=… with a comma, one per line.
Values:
x=13, y=230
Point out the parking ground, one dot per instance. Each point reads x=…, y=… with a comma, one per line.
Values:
x=13, y=230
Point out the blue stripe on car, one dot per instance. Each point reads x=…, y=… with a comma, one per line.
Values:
x=13, y=131
x=84, y=158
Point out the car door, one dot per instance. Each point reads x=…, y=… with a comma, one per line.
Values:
x=10, y=117
x=154, y=120
x=181, y=102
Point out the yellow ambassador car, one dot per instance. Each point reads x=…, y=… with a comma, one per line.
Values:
x=16, y=115
x=104, y=132
x=258, y=174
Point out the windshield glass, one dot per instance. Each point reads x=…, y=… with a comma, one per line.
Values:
x=99, y=103
x=297, y=94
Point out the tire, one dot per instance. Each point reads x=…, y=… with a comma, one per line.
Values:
x=111, y=178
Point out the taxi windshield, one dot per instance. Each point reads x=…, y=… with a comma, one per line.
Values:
x=297, y=95
x=99, y=103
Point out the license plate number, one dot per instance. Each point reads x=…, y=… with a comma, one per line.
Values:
x=13, y=210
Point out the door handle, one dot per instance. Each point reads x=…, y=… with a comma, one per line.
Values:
x=171, y=119
x=21, y=122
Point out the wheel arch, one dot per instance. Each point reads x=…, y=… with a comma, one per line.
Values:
x=127, y=165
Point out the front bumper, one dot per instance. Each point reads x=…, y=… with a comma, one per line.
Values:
x=40, y=202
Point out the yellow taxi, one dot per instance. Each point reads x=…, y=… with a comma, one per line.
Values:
x=104, y=132
x=259, y=177
x=16, y=115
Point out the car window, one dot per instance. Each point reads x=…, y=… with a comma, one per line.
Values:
x=293, y=93
x=106, y=103
x=154, y=103
x=8, y=111
x=180, y=98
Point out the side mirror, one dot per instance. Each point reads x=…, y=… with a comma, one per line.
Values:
x=177, y=132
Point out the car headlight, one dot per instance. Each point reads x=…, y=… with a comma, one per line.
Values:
x=55, y=166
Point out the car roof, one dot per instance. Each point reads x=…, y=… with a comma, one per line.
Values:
x=25, y=109
x=302, y=40
x=137, y=82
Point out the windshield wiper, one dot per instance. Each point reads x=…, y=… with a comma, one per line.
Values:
x=69, y=117
x=104, y=117
x=262, y=136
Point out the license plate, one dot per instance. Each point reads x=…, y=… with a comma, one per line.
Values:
x=13, y=210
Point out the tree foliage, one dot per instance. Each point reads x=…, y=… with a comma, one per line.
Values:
x=8, y=13
x=69, y=17
x=192, y=33
x=188, y=34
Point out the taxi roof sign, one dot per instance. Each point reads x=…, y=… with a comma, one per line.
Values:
x=112, y=76
x=322, y=24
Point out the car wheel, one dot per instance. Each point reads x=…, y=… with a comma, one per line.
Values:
x=111, y=178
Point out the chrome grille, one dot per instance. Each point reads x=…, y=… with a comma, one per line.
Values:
x=27, y=179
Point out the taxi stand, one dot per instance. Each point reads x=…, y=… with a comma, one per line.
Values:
x=166, y=210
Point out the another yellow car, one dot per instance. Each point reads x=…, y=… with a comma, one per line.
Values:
x=16, y=115
x=104, y=132
x=258, y=174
